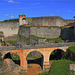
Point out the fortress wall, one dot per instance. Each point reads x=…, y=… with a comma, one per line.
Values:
x=9, y=28
x=69, y=21
x=46, y=21
x=68, y=34
x=45, y=32
x=24, y=31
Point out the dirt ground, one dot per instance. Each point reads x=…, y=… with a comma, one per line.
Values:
x=33, y=69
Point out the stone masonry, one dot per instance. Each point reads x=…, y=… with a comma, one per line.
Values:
x=24, y=52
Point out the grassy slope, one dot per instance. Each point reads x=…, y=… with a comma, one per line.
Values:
x=12, y=41
x=37, y=37
x=58, y=39
x=59, y=67
x=72, y=48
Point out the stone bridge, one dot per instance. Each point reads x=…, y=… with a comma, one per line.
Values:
x=23, y=52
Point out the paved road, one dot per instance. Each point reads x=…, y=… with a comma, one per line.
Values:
x=37, y=46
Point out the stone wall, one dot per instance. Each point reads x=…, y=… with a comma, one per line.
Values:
x=9, y=28
x=46, y=32
x=69, y=21
x=68, y=34
x=37, y=41
x=24, y=31
x=48, y=21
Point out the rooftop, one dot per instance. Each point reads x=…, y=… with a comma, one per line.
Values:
x=22, y=14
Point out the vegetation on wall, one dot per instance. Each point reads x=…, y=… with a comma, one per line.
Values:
x=39, y=26
x=34, y=36
x=12, y=41
x=65, y=27
x=54, y=27
x=11, y=20
x=55, y=39
x=49, y=39
x=15, y=56
x=23, y=39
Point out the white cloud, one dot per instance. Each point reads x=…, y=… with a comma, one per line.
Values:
x=11, y=1
x=11, y=16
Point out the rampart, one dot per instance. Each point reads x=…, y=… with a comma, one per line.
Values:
x=42, y=31
x=9, y=28
x=68, y=34
x=48, y=21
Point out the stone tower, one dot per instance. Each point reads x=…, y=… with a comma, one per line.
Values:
x=22, y=19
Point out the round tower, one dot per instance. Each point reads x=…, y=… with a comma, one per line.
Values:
x=22, y=19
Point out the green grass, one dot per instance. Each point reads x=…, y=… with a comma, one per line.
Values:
x=45, y=73
x=36, y=37
x=58, y=39
x=60, y=67
x=12, y=41
x=55, y=39
x=15, y=56
x=72, y=48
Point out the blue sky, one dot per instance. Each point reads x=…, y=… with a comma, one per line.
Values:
x=10, y=9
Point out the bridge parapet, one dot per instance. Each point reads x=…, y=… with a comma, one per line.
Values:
x=38, y=46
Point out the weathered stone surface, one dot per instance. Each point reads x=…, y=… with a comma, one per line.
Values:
x=9, y=65
x=22, y=53
x=68, y=34
x=72, y=67
x=45, y=32
x=48, y=21
x=9, y=28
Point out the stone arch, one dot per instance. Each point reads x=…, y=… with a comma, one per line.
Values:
x=38, y=50
x=57, y=54
x=4, y=52
x=36, y=60
x=9, y=56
